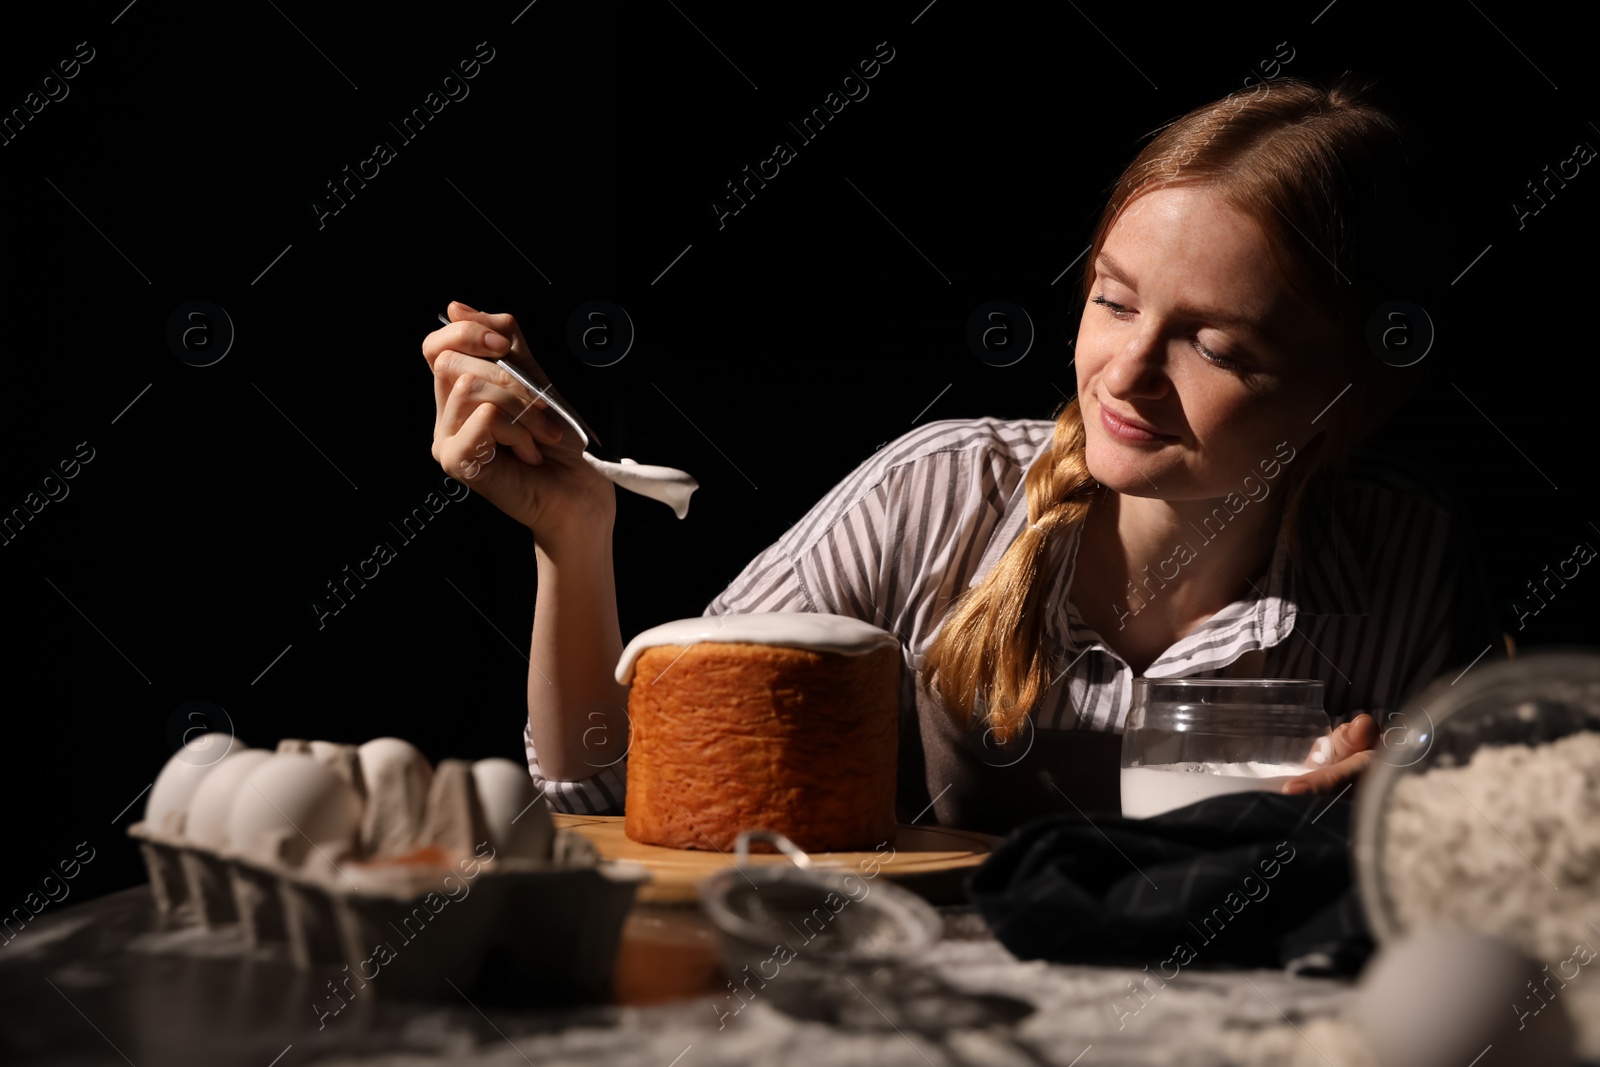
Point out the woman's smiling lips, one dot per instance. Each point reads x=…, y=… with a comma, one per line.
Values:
x=1128, y=428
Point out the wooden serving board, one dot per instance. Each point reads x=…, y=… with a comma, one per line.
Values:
x=932, y=861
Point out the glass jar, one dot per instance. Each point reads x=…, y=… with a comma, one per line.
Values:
x=1488, y=845
x=1187, y=739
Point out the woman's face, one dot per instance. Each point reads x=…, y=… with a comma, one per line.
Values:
x=1195, y=360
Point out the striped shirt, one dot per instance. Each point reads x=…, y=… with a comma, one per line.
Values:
x=1385, y=594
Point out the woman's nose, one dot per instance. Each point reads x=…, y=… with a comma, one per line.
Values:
x=1138, y=367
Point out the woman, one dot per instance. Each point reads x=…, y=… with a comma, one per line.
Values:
x=1198, y=510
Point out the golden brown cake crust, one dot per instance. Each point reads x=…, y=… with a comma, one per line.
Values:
x=735, y=736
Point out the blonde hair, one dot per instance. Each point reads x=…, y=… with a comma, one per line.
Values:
x=1314, y=168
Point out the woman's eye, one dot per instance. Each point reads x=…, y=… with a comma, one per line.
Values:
x=1114, y=308
x=1222, y=362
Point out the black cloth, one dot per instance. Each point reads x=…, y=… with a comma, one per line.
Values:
x=1247, y=879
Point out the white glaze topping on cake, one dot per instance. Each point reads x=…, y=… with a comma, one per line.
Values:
x=812, y=630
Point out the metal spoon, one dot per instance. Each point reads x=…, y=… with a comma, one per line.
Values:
x=667, y=484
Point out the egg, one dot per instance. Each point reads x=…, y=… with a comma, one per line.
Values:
x=289, y=804
x=397, y=778
x=1446, y=996
x=207, y=822
x=514, y=811
x=167, y=809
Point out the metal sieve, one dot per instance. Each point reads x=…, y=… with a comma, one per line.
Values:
x=828, y=916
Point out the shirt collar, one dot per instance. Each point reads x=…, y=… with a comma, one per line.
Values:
x=1262, y=618
x=1325, y=579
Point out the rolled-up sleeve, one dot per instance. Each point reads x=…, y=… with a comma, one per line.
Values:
x=603, y=793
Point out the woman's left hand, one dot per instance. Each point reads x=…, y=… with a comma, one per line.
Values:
x=1343, y=755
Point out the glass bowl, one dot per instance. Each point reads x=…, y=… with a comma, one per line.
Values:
x=1187, y=739
x=1534, y=700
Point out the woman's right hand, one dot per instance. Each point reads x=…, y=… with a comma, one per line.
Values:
x=504, y=444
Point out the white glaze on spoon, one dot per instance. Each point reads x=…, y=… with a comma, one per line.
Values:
x=666, y=484
x=812, y=630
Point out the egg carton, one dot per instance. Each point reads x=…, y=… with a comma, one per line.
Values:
x=470, y=889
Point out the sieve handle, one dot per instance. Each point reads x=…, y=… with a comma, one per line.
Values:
x=741, y=847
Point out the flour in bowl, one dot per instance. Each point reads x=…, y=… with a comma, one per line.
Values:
x=1508, y=844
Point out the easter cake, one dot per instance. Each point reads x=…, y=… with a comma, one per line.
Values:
x=777, y=721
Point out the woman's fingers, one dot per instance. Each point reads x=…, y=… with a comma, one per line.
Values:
x=528, y=428
x=463, y=454
x=474, y=333
x=469, y=394
x=1339, y=758
x=1329, y=778
x=483, y=434
x=1357, y=735
x=503, y=324
x=462, y=382
x=471, y=337
x=472, y=344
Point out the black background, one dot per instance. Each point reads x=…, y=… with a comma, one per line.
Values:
x=776, y=352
